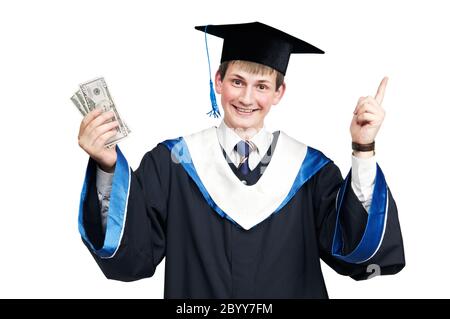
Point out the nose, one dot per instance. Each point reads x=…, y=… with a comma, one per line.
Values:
x=246, y=97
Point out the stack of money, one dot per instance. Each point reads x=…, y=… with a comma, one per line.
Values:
x=95, y=94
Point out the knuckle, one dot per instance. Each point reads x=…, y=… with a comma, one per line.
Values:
x=88, y=128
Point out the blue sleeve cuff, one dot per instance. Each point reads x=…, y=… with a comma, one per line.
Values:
x=375, y=227
x=117, y=207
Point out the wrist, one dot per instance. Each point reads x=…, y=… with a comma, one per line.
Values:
x=107, y=168
x=363, y=150
x=367, y=147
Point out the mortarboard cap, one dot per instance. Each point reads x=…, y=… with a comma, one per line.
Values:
x=258, y=42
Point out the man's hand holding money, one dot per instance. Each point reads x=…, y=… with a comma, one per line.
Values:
x=96, y=128
x=102, y=127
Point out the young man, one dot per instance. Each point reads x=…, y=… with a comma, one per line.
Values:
x=239, y=212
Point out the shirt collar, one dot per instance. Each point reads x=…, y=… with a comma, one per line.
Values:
x=228, y=138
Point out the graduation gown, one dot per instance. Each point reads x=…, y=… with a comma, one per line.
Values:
x=224, y=239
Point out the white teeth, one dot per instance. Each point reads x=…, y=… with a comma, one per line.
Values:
x=244, y=110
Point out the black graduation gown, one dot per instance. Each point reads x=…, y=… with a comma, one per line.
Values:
x=208, y=256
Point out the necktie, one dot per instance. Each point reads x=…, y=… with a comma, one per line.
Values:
x=244, y=148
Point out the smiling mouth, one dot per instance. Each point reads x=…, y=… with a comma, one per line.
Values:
x=244, y=110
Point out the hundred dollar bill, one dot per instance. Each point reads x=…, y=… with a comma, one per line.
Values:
x=96, y=94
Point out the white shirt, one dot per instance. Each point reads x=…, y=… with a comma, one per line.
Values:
x=228, y=139
x=363, y=169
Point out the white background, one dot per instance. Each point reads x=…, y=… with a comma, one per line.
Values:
x=155, y=64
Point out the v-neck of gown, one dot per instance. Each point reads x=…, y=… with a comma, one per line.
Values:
x=255, y=174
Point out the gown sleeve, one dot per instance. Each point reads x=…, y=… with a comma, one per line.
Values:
x=351, y=240
x=134, y=241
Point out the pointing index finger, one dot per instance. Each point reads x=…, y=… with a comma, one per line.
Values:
x=381, y=89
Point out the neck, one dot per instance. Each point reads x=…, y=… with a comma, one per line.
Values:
x=245, y=133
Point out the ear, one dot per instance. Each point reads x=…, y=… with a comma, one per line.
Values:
x=279, y=93
x=218, y=83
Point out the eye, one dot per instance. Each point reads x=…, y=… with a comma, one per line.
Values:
x=262, y=87
x=237, y=82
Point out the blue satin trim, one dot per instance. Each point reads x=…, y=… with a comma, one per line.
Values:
x=180, y=154
x=373, y=234
x=312, y=163
x=117, y=206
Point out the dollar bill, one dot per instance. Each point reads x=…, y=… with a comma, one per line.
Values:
x=80, y=97
x=78, y=104
x=78, y=100
x=95, y=94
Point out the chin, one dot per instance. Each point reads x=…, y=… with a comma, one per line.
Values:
x=244, y=123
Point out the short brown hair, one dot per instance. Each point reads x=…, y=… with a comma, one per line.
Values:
x=254, y=68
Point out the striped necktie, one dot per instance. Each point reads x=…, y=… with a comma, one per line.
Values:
x=244, y=148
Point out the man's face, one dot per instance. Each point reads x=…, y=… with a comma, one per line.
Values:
x=246, y=97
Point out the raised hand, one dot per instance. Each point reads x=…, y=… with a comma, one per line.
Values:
x=368, y=116
x=95, y=130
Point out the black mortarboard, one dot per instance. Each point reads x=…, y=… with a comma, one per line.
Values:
x=258, y=42
x=255, y=42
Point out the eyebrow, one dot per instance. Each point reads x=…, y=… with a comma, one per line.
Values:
x=237, y=75
x=242, y=78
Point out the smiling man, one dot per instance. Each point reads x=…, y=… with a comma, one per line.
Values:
x=248, y=91
x=237, y=211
